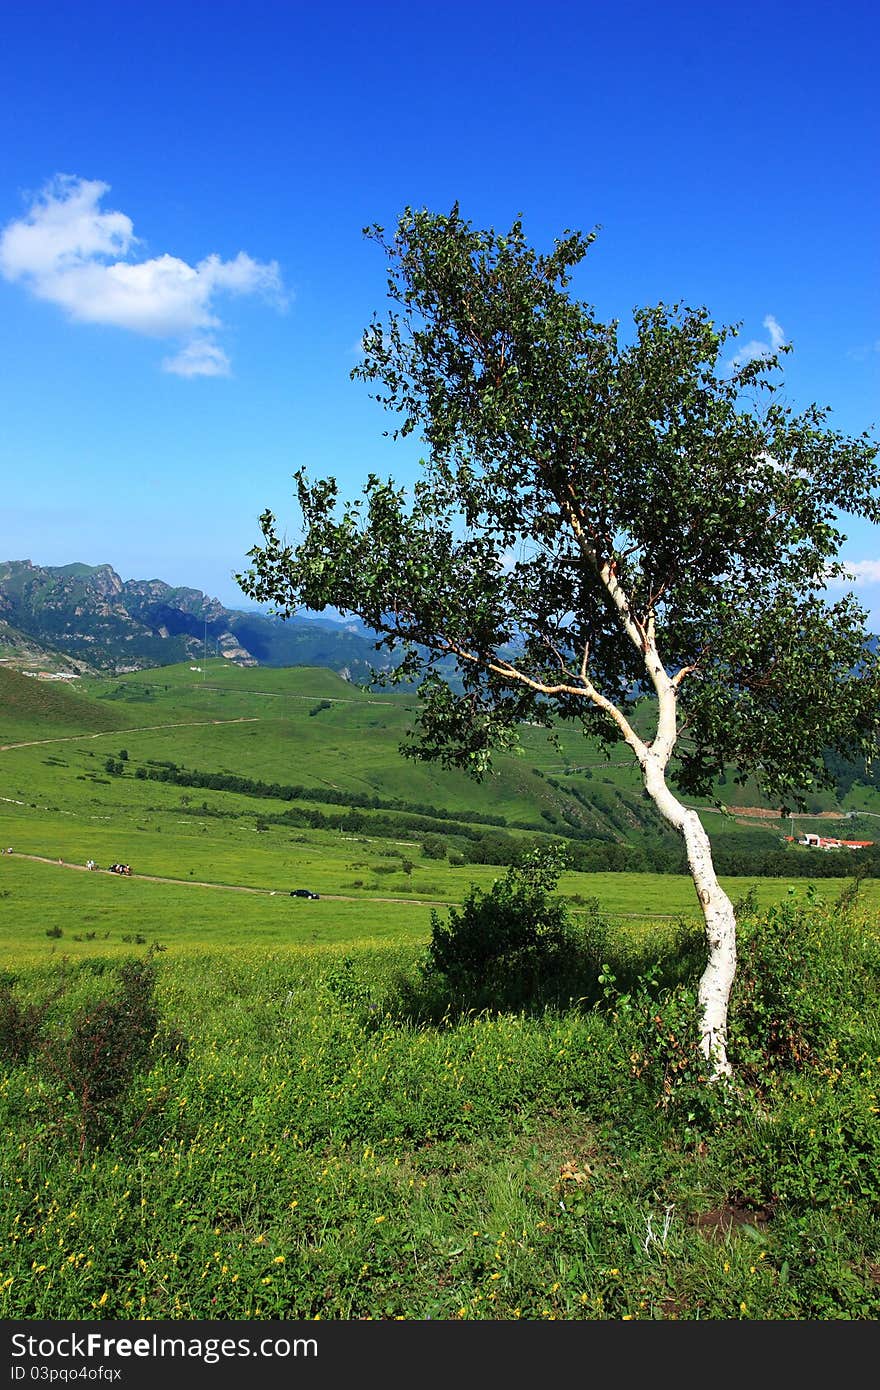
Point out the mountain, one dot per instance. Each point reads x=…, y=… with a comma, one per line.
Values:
x=87, y=619
x=22, y=653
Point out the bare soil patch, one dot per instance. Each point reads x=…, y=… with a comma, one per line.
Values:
x=718, y=1223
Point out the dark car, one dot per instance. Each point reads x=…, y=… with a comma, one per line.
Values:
x=303, y=893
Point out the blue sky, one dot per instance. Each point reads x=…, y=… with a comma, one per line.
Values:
x=184, y=280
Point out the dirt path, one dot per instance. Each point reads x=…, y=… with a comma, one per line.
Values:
x=120, y=733
x=291, y=695
x=764, y=813
x=283, y=893
x=228, y=887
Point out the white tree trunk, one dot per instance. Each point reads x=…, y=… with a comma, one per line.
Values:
x=720, y=922
x=716, y=981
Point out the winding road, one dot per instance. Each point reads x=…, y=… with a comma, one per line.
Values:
x=144, y=729
x=227, y=887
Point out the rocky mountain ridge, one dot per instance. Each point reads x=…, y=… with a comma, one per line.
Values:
x=90, y=618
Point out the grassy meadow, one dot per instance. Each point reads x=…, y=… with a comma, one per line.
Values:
x=218, y=1101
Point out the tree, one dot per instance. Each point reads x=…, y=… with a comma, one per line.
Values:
x=603, y=527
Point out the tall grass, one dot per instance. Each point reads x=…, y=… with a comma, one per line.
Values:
x=319, y=1151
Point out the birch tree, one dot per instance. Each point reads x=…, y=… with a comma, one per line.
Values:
x=618, y=529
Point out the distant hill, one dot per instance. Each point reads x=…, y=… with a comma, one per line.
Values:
x=31, y=708
x=300, y=749
x=87, y=619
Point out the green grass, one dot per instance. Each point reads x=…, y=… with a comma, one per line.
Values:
x=32, y=708
x=306, y=727
x=353, y=744
x=328, y=1151
x=105, y=913
x=352, y=877
x=312, y=728
x=320, y=1156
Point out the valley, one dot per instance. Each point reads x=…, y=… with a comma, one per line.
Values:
x=263, y=780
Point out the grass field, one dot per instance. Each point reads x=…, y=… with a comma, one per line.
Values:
x=296, y=1147
x=218, y=1101
x=312, y=727
x=106, y=913
x=301, y=726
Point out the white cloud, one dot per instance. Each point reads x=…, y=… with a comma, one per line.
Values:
x=777, y=337
x=752, y=351
x=861, y=572
x=201, y=357
x=63, y=251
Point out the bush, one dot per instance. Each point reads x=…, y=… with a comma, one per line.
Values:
x=515, y=945
x=796, y=986
x=20, y=1024
x=822, y=1147
x=107, y=1044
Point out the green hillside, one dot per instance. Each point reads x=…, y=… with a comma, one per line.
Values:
x=34, y=708
x=195, y=679
x=225, y=788
x=309, y=728
x=598, y=790
x=265, y=742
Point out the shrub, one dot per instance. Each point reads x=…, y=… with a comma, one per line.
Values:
x=808, y=980
x=514, y=946
x=20, y=1024
x=823, y=1145
x=795, y=984
x=108, y=1043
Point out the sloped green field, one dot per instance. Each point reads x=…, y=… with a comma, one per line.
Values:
x=33, y=708
x=311, y=728
x=342, y=814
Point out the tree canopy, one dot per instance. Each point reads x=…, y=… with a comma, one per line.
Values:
x=596, y=511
